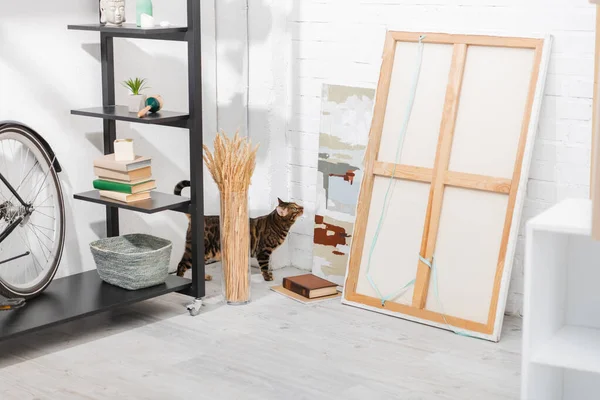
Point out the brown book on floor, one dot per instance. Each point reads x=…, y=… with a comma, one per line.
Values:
x=309, y=286
x=135, y=175
x=304, y=300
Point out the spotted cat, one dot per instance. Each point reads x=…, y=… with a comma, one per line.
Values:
x=266, y=234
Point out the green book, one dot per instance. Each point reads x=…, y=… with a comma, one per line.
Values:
x=124, y=187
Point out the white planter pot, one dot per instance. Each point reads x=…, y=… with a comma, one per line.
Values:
x=136, y=102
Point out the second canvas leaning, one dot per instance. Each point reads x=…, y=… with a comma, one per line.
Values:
x=346, y=114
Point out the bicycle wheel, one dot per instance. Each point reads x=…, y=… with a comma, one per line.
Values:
x=32, y=215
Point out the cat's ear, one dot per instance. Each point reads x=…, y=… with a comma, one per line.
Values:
x=280, y=201
x=283, y=212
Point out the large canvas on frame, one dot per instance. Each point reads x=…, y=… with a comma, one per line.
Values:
x=455, y=191
x=346, y=113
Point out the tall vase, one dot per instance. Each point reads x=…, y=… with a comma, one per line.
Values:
x=235, y=247
x=143, y=7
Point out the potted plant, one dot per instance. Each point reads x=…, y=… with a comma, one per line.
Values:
x=137, y=100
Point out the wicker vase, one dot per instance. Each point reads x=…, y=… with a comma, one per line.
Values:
x=235, y=247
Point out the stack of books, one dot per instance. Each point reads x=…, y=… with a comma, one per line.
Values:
x=125, y=181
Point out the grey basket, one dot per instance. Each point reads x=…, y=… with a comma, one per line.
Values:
x=134, y=261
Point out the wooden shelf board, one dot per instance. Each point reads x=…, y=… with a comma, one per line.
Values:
x=572, y=347
x=158, y=202
x=121, y=113
x=78, y=296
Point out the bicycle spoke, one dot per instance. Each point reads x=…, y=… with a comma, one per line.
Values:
x=13, y=153
x=6, y=168
x=12, y=157
x=4, y=158
x=50, y=168
x=42, y=233
x=27, y=175
x=40, y=189
x=46, y=199
x=41, y=227
x=45, y=187
x=21, y=184
x=23, y=164
x=32, y=188
x=42, y=243
x=28, y=245
x=37, y=211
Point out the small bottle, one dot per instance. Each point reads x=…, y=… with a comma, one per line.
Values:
x=143, y=7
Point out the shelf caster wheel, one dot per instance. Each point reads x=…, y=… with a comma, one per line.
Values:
x=194, y=308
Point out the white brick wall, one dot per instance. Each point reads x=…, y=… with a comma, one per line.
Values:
x=340, y=41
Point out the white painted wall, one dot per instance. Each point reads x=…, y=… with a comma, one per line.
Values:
x=252, y=59
x=270, y=55
x=294, y=46
x=46, y=70
x=341, y=41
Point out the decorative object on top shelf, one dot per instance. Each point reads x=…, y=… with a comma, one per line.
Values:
x=143, y=7
x=137, y=100
x=153, y=105
x=231, y=166
x=134, y=261
x=124, y=150
x=147, y=21
x=112, y=12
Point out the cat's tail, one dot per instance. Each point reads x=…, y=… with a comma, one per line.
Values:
x=180, y=186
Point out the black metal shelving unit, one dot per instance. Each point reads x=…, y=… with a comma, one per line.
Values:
x=85, y=294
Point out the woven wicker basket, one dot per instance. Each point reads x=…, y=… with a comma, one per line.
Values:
x=133, y=261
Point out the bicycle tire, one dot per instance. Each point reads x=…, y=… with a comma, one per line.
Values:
x=6, y=289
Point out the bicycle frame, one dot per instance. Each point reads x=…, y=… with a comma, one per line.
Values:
x=12, y=190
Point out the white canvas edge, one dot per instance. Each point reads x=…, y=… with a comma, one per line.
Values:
x=522, y=191
x=516, y=220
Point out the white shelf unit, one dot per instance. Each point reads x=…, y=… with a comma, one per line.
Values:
x=561, y=326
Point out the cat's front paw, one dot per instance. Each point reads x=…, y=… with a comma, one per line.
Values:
x=268, y=275
x=207, y=277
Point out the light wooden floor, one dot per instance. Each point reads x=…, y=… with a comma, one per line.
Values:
x=273, y=348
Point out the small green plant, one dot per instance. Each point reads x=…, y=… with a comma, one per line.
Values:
x=136, y=85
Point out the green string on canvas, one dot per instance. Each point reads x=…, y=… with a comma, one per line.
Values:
x=431, y=264
x=402, y=135
x=432, y=267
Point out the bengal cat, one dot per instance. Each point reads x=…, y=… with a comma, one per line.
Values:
x=266, y=234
